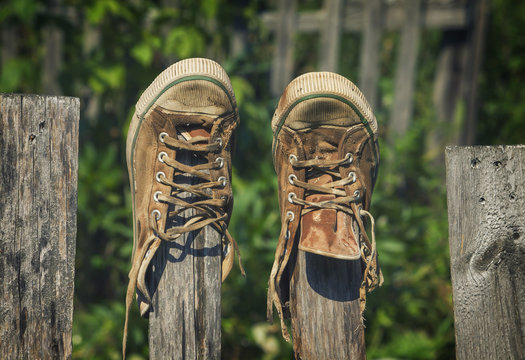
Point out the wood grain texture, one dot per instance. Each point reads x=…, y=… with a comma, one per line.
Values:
x=486, y=198
x=324, y=305
x=186, y=287
x=39, y=152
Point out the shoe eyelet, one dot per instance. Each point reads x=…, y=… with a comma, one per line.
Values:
x=357, y=193
x=349, y=157
x=219, y=141
x=147, y=254
x=290, y=197
x=290, y=215
x=291, y=178
x=293, y=159
x=220, y=161
x=162, y=135
x=223, y=181
x=161, y=155
x=156, y=195
x=156, y=213
x=158, y=175
x=352, y=175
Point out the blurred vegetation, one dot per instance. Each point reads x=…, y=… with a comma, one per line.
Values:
x=113, y=49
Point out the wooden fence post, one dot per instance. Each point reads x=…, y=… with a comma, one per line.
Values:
x=406, y=70
x=186, y=285
x=38, y=186
x=324, y=306
x=282, y=68
x=486, y=202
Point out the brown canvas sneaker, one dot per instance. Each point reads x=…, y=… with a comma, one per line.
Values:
x=326, y=157
x=189, y=107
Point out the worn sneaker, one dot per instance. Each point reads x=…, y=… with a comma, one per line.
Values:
x=326, y=156
x=189, y=107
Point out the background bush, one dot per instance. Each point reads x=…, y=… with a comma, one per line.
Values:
x=113, y=49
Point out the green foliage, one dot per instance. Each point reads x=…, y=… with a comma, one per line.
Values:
x=114, y=49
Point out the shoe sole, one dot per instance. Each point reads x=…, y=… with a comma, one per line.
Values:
x=323, y=85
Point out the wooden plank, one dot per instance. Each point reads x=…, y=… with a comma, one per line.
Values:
x=406, y=71
x=53, y=45
x=476, y=43
x=331, y=35
x=324, y=305
x=186, y=287
x=37, y=292
x=447, y=94
x=282, y=68
x=437, y=16
x=486, y=198
x=369, y=62
x=10, y=43
x=10, y=112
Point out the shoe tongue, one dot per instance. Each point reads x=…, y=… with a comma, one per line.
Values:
x=327, y=232
x=199, y=132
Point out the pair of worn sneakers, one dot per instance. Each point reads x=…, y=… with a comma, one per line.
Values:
x=325, y=153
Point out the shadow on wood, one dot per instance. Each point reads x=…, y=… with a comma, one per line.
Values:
x=324, y=305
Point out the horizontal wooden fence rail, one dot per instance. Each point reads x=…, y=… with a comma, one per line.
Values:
x=486, y=214
x=462, y=22
x=38, y=187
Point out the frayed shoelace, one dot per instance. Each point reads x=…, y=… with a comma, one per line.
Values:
x=208, y=211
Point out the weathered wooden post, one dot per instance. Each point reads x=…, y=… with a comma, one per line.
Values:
x=486, y=214
x=186, y=287
x=324, y=305
x=38, y=185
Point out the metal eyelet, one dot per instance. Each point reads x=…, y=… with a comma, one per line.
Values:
x=220, y=161
x=156, y=195
x=223, y=181
x=219, y=141
x=162, y=135
x=147, y=254
x=161, y=155
x=357, y=193
x=290, y=215
x=291, y=178
x=293, y=159
x=349, y=157
x=352, y=175
x=157, y=176
x=290, y=197
x=156, y=213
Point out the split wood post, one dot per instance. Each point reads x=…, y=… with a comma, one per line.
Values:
x=324, y=306
x=38, y=185
x=186, y=285
x=486, y=202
